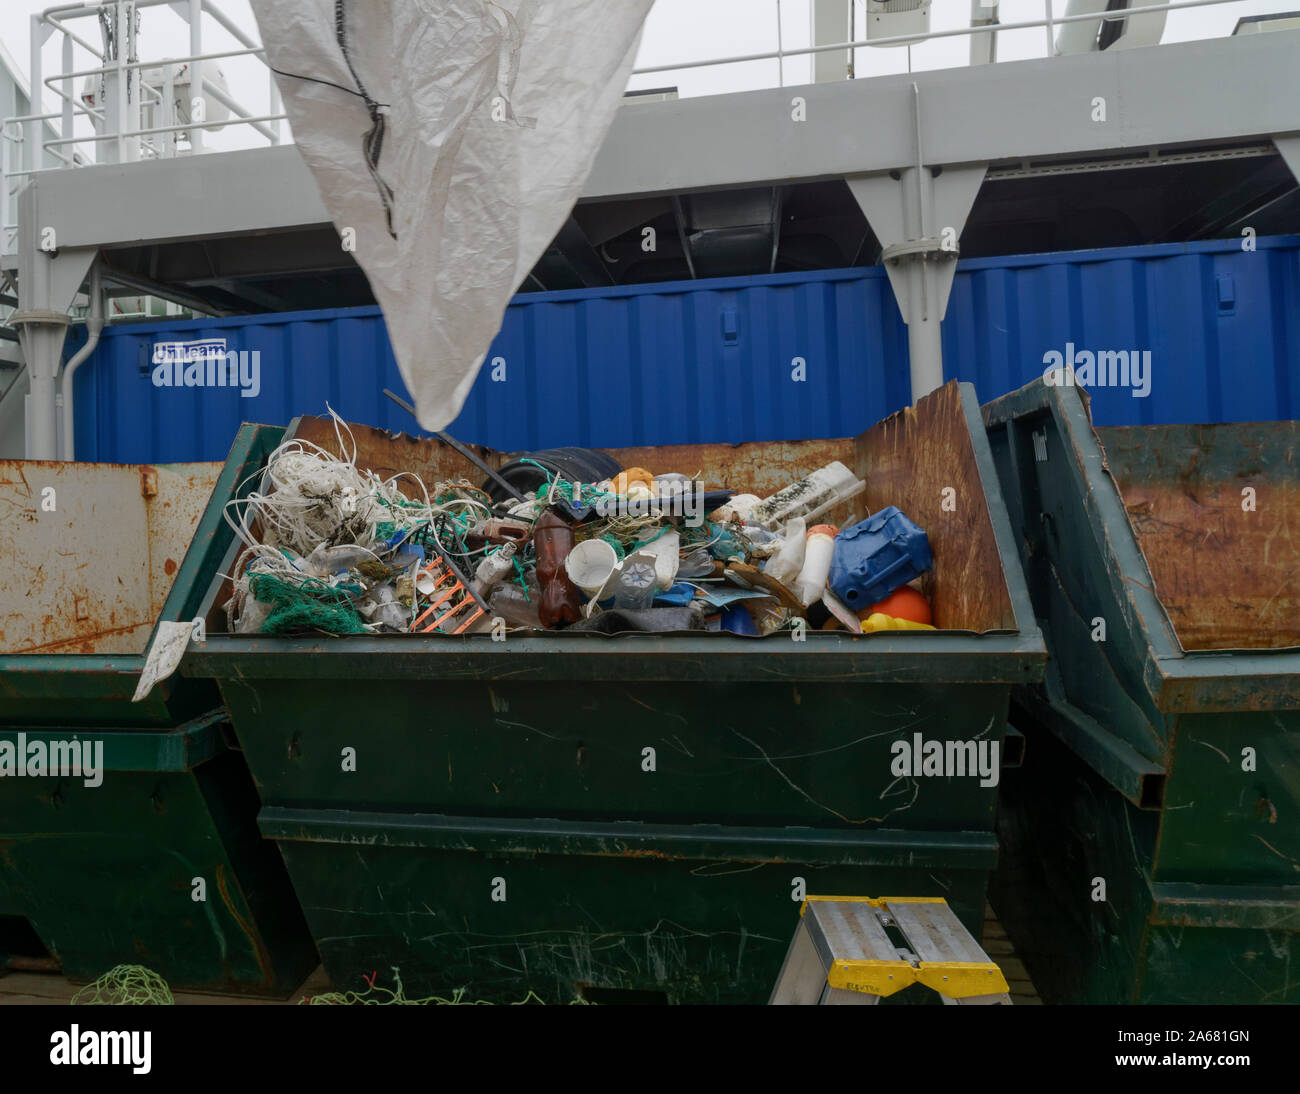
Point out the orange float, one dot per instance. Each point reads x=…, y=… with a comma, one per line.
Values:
x=902, y=603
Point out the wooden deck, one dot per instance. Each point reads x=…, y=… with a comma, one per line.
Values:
x=999, y=948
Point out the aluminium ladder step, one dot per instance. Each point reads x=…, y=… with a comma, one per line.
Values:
x=842, y=953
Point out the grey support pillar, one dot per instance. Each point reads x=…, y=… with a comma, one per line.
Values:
x=1289, y=149
x=984, y=47
x=918, y=217
x=830, y=26
x=48, y=280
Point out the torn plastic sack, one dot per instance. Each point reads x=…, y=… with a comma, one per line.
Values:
x=450, y=140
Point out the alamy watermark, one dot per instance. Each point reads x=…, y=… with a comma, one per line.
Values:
x=52, y=758
x=950, y=759
x=130, y=1048
x=1105, y=368
x=679, y=497
x=207, y=363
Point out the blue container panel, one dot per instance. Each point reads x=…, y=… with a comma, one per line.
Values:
x=1222, y=326
x=680, y=363
x=696, y=361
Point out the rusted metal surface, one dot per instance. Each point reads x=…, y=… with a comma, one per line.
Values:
x=760, y=468
x=389, y=454
x=1216, y=512
x=921, y=460
x=92, y=550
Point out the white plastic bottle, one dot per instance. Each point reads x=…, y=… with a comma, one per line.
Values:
x=816, y=563
x=493, y=569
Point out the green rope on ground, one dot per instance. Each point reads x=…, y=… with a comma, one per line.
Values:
x=377, y=995
x=126, y=985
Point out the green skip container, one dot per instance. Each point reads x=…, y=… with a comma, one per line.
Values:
x=101, y=860
x=1152, y=837
x=638, y=817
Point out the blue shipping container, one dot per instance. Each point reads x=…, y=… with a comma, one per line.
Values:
x=782, y=357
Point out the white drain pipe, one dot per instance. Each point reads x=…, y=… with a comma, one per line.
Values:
x=94, y=324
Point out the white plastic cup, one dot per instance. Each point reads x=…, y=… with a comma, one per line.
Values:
x=590, y=565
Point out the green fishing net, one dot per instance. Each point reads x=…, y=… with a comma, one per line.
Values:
x=309, y=605
x=126, y=985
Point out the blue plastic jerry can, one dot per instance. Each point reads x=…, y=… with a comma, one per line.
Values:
x=877, y=556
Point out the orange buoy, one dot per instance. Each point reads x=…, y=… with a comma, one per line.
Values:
x=624, y=480
x=902, y=603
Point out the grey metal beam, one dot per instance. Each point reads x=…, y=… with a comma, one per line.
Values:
x=1157, y=97
x=189, y=197
x=1289, y=149
x=1154, y=98
x=249, y=291
x=148, y=287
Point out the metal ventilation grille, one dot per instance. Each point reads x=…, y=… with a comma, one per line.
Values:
x=889, y=7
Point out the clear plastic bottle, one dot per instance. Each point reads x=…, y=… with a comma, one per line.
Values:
x=518, y=610
x=636, y=582
x=785, y=564
x=699, y=563
x=493, y=569
x=382, y=606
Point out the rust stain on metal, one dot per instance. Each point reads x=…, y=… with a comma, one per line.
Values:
x=757, y=467
x=133, y=636
x=263, y=959
x=80, y=573
x=391, y=453
x=1216, y=513
x=922, y=461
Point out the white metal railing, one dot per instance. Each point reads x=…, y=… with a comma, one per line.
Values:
x=120, y=133
x=1049, y=24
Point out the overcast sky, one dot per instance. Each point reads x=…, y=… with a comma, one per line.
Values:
x=677, y=30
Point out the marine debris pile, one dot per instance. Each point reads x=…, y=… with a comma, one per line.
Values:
x=330, y=547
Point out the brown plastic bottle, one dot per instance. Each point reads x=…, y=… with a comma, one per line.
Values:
x=553, y=540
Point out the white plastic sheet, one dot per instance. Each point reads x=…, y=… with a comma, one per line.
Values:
x=450, y=139
x=170, y=642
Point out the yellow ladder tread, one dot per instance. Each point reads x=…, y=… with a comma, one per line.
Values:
x=858, y=949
